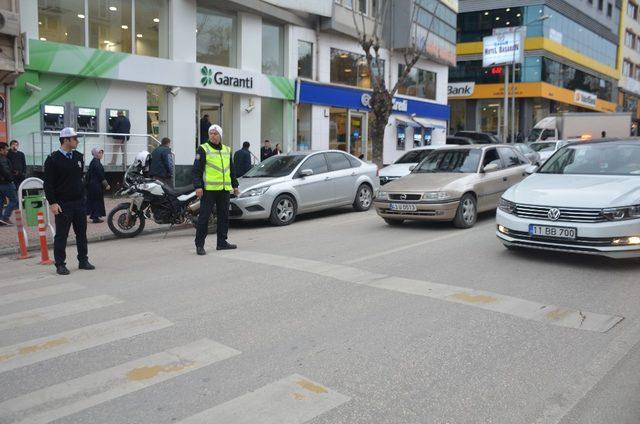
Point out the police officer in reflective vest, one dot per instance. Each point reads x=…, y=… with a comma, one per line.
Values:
x=214, y=179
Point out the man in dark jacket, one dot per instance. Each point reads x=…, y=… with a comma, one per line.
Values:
x=121, y=125
x=162, y=162
x=18, y=163
x=64, y=189
x=204, y=128
x=7, y=189
x=266, y=152
x=242, y=160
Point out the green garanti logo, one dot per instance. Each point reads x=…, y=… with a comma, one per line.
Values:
x=207, y=76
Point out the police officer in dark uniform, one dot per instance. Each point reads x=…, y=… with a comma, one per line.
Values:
x=214, y=178
x=64, y=188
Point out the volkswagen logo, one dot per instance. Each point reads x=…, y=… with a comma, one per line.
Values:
x=403, y=196
x=554, y=214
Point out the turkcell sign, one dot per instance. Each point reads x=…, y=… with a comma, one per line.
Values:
x=502, y=49
x=461, y=89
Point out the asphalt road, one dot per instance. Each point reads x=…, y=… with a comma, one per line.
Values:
x=337, y=318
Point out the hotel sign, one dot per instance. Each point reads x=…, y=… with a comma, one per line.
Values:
x=502, y=49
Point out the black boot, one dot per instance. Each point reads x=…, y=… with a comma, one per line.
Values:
x=226, y=246
x=86, y=265
x=62, y=270
x=200, y=251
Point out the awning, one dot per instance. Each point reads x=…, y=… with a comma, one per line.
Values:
x=406, y=121
x=427, y=123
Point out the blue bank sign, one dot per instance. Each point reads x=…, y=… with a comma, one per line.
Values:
x=353, y=98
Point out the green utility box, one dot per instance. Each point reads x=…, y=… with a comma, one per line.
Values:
x=32, y=203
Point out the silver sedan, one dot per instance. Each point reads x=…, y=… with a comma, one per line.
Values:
x=284, y=186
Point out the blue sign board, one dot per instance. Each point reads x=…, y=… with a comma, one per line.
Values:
x=353, y=98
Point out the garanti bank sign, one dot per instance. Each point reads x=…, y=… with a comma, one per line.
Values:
x=244, y=82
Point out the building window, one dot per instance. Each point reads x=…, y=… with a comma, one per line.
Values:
x=351, y=69
x=632, y=10
x=363, y=6
x=401, y=135
x=609, y=10
x=600, y=4
x=215, y=38
x=62, y=21
x=151, y=28
x=272, y=120
x=637, y=73
x=626, y=68
x=303, y=139
x=305, y=59
x=272, y=49
x=629, y=38
x=110, y=25
x=418, y=83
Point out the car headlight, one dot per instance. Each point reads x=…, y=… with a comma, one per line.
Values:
x=435, y=195
x=255, y=192
x=382, y=195
x=619, y=214
x=506, y=206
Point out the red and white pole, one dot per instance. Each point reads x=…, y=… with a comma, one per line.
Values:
x=22, y=243
x=42, y=232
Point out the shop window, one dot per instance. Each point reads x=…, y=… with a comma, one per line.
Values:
x=272, y=49
x=151, y=28
x=338, y=129
x=215, y=38
x=271, y=121
x=418, y=83
x=62, y=21
x=401, y=134
x=351, y=69
x=303, y=141
x=110, y=25
x=305, y=59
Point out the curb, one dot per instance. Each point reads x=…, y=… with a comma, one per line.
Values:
x=7, y=251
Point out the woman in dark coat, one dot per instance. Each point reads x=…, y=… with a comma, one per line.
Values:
x=96, y=185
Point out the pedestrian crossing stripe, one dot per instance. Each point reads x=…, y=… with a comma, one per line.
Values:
x=20, y=319
x=39, y=293
x=42, y=349
x=19, y=281
x=73, y=396
x=291, y=400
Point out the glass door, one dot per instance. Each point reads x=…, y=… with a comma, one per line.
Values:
x=490, y=113
x=358, y=135
x=208, y=114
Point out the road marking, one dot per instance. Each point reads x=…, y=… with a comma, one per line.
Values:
x=561, y=403
x=292, y=400
x=47, y=313
x=61, y=400
x=549, y=314
x=18, y=281
x=38, y=293
x=33, y=351
x=386, y=252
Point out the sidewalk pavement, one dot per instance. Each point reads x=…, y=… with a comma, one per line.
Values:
x=95, y=232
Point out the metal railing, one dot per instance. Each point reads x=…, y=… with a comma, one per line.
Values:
x=117, y=155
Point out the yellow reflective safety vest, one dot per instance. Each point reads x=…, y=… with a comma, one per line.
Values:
x=217, y=170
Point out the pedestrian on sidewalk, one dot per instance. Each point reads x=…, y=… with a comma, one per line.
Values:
x=96, y=186
x=121, y=125
x=64, y=189
x=214, y=178
x=242, y=160
x=18, y=163
x=162, y=162
x=7, y=188
x=277, y=150
x=265, y=151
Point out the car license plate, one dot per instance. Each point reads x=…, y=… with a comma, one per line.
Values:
x=403, y=207
x=554, y=232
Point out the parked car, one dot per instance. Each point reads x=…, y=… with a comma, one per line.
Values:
x=283, y=186
x=548, y=148
x=479, y=137
x=584, y=199
x=452, y=184
x=401, y=167
x=529, y=153
x=461, y=141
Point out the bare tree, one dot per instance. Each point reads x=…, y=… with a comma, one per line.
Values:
x=370, y=39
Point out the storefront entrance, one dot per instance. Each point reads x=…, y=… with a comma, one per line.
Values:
x=358, y=134
x=353, y=123
x=490, y=113
x=212, y=104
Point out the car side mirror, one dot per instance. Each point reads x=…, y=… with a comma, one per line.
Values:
x=531, y=169
x=412, y=167
x=306, y=172
x=492, y=167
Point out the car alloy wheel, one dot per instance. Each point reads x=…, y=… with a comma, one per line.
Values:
x=365, y=197
x=285, y=210
x=468, y=211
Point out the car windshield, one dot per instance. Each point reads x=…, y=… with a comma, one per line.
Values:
x=523, y=148
x=543, y=147
x=462, y=161
x=275, y=166
x=535, y=134
x=414, y=156
x=595, y=159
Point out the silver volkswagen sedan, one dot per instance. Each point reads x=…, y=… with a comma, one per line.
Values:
x=284, y=186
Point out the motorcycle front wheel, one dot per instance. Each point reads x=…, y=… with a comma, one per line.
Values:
x=123, y=223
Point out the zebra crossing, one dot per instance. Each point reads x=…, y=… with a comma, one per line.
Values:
x=294, y=399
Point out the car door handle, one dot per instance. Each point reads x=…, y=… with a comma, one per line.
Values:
x=353, y=173
x=505, y=178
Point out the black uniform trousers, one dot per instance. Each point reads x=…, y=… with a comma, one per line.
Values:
x=219, y=199
x=73, y=214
